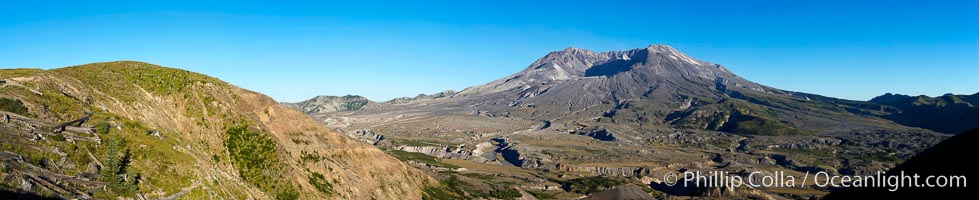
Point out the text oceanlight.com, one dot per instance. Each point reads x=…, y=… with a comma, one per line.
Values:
x=892, y=182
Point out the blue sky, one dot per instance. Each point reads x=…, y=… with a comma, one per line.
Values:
x=382, y=50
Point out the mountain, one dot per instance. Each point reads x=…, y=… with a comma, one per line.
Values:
x=656, y=85
x=438, y=95
x=618, y=72
x=889, y=98
x=138, y=130
x=634, y=114
x=326, y=104
x=943, y=159
x=948, y=113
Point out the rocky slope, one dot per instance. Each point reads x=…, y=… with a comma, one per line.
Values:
x=635, y=114
x=152, y=132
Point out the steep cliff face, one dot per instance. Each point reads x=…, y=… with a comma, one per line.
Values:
x=187, y=131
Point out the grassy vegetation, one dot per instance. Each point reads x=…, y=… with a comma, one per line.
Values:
x=430, y=192
x=740, y=117
x=454, y=188
x=117, y=154
x=505, y=193
x=320, y=183
x=301, y=141
x=751, y=119
x=542, y=194
x=57, y=105
x=824, y=105
x=34, y=157
x=481, y=176
x=588, y=185
x=813, y=152
x=254, y=155
x=310, y=157
x=653, y=192
x=19, y=72
x=153, y=166
x=157, y=165
x=450, y=189
x=723, y=143
x=751, y=125
x=354, y=102
x=58, y=138
x=14, y=106
x=121, y=177
x=420, y=157
x=879, y=157
x=115, y=77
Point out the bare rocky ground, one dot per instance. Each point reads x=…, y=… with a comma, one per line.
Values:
x=534, y=156
x=629, y=117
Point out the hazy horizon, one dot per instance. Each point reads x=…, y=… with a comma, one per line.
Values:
x=292, y=52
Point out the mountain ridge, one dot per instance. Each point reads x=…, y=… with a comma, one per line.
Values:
x=948, y=113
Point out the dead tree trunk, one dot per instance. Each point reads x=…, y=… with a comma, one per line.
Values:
x=79, y=121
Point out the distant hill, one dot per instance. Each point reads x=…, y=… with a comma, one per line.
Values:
x=443, y=94
x=326, y=104
x=948, y=113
